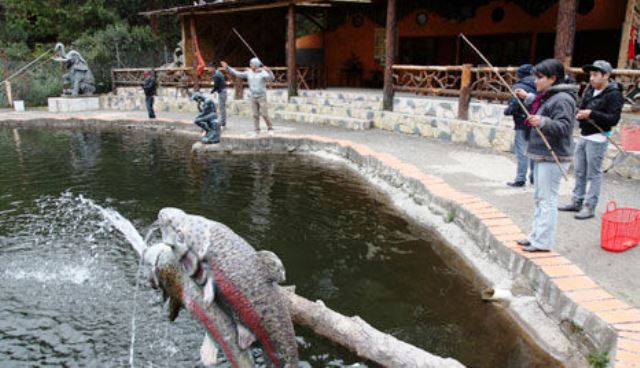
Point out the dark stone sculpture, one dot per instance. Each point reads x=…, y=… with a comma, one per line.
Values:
x=207, y=119
x=78, y=80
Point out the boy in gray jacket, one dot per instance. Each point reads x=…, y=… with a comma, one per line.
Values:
x=257, y=77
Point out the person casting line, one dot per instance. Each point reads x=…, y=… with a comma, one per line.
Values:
x=553, y=111
x=257, y=77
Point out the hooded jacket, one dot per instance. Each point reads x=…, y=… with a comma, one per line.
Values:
x=514, y=109
x=605, y=108
x=558, y=110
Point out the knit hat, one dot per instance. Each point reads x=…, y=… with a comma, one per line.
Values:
x=524, y=70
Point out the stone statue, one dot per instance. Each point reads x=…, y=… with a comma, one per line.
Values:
x=233, y=276
x=78, y=80
x=207, y=119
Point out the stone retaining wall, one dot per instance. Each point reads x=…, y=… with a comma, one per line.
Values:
x=432, y=117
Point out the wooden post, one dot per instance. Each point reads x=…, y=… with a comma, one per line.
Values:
x=565, y=31
x=292, y=67
x=390, y=51
x=238, y=87
x=9, y=94
x=626, y=34
x=465, y=92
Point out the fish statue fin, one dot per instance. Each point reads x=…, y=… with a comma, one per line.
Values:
x=209, y=291
x=208, y=352
x=245, y=337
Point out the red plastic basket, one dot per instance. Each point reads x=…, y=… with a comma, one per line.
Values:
x=630, y=138
x=620, y=228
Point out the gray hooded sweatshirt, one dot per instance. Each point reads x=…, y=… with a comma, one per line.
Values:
x=558, y=111
x=257, y=80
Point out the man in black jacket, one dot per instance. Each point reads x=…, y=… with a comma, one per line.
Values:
x=220, y=87
x=149, y=86
x=526, y=82
x=599, y=111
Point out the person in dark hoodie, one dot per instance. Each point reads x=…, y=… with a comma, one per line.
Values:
x=526, y=82
x=599, y=111
x=149, y=86
x=553, y=111
x=220, y=87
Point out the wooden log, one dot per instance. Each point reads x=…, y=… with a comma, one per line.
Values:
x=465, y=93
x=565, y=31
x=390, y=51
x=292, y=74
x=358, y=336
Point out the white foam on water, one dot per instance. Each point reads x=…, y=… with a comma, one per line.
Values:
x=66, y=274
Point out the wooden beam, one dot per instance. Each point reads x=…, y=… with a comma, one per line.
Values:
x=292, y=67
x=464, y=98
x=626, y=33
x=390, y=52
x=565, y=31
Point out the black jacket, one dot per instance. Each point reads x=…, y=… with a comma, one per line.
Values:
x=149, y=87
x=514, y=109
x=605, y=108
x=219, y=84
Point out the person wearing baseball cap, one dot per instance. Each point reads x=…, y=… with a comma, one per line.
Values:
x=599, y=111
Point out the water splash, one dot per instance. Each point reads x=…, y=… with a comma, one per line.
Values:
x=133, y=313
x=121, y=224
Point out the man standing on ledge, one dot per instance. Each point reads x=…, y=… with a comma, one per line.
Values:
x=149, y=85
x=599, y=111
x=257, y=77
x=220, y=87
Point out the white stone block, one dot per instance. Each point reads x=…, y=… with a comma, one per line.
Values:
x=73, y=104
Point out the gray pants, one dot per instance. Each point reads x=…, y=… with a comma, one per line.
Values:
x=222, y=108
x=259, y=107
x=588, y=166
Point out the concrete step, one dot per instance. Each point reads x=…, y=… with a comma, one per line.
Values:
x=326, y=101
x=342, y=95
x=347, y=112
x=310, y=118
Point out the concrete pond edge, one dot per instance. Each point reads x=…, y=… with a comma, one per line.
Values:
x=592, y=319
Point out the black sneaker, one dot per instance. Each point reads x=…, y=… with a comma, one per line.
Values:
x=574, y=206
x=516, y=184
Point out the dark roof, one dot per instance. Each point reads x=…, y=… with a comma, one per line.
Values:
x=227, y=6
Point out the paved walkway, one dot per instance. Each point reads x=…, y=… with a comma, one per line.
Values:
x=482, y=173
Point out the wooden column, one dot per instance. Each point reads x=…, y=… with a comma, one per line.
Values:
x=390, y=52
x=534, y=45
x=9, y=94
x=292, y=67
x=565, y=31
x=465, y=92
x=626, y=32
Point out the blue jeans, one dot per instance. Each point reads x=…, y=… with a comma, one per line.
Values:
x=520, y=148
x=547, y=178
x=222, y=107
x=588, y=166
x=149, y=102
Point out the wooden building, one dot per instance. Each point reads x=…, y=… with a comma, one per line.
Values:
x=357, y=42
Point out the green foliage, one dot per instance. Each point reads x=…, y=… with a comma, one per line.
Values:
x=108, y=34
x=451, y=216
x=598, y=360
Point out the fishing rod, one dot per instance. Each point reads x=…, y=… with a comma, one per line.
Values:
x=25, y=67
x=244, y=41
x=526, y=111
x=623, y=154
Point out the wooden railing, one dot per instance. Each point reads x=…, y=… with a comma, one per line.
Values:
x=309, y=77
x=483, y=84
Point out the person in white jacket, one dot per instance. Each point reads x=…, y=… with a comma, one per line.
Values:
x=257, y=77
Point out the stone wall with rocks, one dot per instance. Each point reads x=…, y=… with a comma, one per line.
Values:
x=432, y=117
